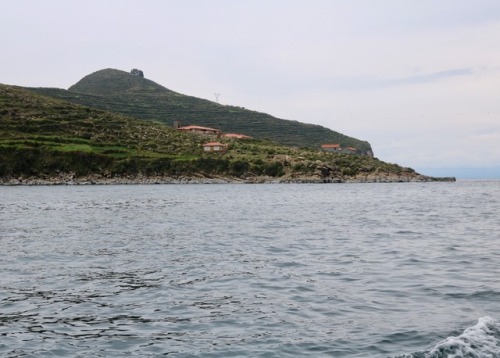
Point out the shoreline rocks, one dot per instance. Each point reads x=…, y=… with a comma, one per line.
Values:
x=71, y=179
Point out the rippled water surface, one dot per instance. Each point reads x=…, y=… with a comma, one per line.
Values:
x=352, y=270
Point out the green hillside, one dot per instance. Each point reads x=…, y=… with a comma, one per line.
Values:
x=47, y=138
x=135, y=96
x=43, y=136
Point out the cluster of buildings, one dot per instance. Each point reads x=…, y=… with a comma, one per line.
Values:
x=213, y=133
x=215, y=146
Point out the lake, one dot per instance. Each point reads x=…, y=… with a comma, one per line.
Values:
x=236, y=270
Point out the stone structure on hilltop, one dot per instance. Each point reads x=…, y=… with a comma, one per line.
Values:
x=137, y=72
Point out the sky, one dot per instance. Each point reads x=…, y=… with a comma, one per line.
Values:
x=418, y=79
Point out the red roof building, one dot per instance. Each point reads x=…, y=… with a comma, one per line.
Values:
x=214, y=147
x=200, y=130
x=331, y=147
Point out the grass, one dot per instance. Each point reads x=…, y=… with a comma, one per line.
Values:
x=42, y=137
x=120, y=92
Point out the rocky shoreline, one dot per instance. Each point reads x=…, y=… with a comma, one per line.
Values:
x=71, y=179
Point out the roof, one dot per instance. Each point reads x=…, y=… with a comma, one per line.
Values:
x=330, y=146
x=187, y=128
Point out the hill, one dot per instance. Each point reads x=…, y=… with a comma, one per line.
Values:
x=49, y=141
x=135, y=96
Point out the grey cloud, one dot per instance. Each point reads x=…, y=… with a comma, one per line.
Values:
x=431, y=77
x=359, y=83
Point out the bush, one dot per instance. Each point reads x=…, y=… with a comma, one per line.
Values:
x=159, y=166
x=257, y=168
x=299, y=167
x=239, y=168
x=212, y=165
x=274, y=169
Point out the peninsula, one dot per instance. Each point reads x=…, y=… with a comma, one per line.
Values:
x=78, y=136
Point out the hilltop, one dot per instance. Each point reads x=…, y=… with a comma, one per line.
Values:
x=50, y=141
x=135, y=96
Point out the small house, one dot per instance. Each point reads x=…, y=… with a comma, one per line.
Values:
x=333, y=148
x=214, y=147
x=200, y=130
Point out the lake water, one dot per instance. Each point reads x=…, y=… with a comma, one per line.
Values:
x=333, y=270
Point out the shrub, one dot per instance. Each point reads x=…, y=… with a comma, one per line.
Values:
x=211, y=165
x=238, y=168
x=274, y=169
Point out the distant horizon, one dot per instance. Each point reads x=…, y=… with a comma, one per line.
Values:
x=462, y=173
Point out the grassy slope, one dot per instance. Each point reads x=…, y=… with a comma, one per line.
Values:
x=41, y=137
x=134, y=96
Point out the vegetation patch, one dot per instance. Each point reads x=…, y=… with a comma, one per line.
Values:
x=135, y=96
x=42, y=137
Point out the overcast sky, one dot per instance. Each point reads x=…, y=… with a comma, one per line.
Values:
x=418, y=79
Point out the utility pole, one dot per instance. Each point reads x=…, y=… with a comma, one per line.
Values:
x=217, y=97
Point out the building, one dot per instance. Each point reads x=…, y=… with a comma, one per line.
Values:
x=215, y=147
x=200, y=130
x=337, y=148
x=333, y=148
